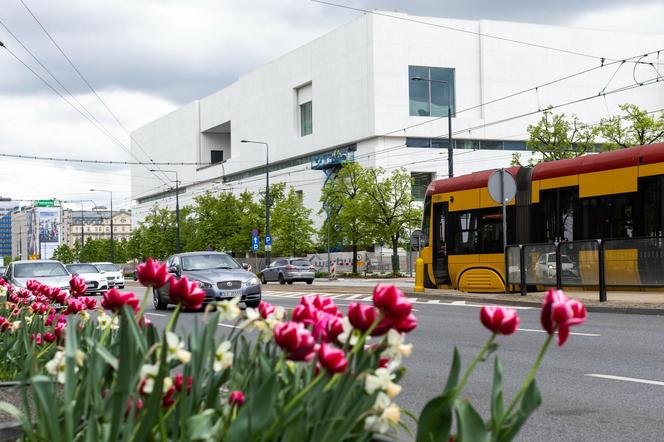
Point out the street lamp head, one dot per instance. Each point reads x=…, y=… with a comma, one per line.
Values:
x=418, y=79
x=243, y=141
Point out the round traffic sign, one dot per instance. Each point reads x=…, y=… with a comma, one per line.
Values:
x=254, y=232
x=502, y=186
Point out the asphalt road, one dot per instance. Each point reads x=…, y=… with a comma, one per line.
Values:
x=576, y=406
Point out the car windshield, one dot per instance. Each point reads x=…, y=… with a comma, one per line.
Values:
x=206, y=262
x=107, y=267
x=39, y=270
x=82, y=268
x=300, y=262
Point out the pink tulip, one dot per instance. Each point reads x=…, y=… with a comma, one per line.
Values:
x=236, y=398
x=49, y=337
x=560, y=313
x=266, y=309
x=74, y=305
x=152, y=273
x=332, y=358
x=391, y=301
x=77, y=286
x=499, y=320
x=115, y=300
x=361, y=316
x=178, y=382
x=90, y=303
x=186, y=292
x=305, y=313
x=296, y=340
x=407, y=324
x=385, y=324
x=334, y=328
x=325, y=305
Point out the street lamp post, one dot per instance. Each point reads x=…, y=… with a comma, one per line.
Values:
x=112, y=247
x=450, y=150
x=177, y=207
x=267, y=195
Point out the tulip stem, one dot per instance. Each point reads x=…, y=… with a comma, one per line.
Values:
x=302, y=393
x=476, y=361
x=174, y=316
x=139, y=315
x=530, y=376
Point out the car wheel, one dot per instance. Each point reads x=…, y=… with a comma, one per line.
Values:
x=310, y=281
x=159, y=304
x=121, y=286
x=282, y=281
x=290, y=282
x=252, y=304
x=263, y=280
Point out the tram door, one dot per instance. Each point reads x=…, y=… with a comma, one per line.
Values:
x=440, y=270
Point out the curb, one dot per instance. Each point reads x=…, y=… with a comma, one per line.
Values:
x=519, y=301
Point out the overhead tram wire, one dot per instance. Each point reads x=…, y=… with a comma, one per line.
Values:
x=468, y=31
x=82, y=77
x=83, y=114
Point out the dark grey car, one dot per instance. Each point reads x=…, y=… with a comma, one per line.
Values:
x=289, y=270
x=218, y=274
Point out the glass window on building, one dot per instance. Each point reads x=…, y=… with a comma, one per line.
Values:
x=305, y=109
x=420, y=181
x=430, y=91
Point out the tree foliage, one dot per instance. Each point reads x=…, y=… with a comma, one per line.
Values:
x=293, y=230
x=637, y=127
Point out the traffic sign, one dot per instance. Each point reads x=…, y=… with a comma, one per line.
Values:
x=254, y=232
x=255, y=243
x=268, y=240
x=268, y=248
x=502, y=186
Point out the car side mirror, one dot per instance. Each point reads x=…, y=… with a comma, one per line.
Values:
x=173, y=269
x=74, y=274
x=246, y=266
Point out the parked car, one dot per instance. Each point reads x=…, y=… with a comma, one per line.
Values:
x=545, y=268
x=2, y=270
x=288, y=271
x=95, y=279
x=113, y=274
x=49, y=272
x=218, y=274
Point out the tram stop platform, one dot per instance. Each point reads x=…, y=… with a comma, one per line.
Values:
x=636, y=302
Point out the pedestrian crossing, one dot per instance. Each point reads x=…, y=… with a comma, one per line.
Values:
x=366, y=297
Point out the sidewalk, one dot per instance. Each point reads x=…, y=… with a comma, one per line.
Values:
x=644, y=303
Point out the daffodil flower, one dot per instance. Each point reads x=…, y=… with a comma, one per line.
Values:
x=395, y=346
x=228, y=309
x=175, y=349
x=223, y=357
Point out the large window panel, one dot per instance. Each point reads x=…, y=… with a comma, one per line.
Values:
x=432, y=93
x=442, y=87
x=306, y=123
x=419, y=91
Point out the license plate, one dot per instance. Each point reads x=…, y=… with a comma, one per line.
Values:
x=231, y=293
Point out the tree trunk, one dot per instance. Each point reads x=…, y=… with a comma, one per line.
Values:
x=354, y=258
x=395, y=255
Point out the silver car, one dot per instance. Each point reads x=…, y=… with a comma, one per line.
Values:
x=218, y=274
x=51, y=273
x=288, y=271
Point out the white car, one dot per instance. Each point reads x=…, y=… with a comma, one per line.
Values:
x=95, y=279
x=545, y=268
x=113, y=274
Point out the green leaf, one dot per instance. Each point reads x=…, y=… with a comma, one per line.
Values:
x=471, y=425
x=435, y=421
x=497, y=403
x=530, y=401
x=203, y=426
x=257, y=413
x=104, y=353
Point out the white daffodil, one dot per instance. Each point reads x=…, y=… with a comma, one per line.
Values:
x=382, y=380
x=223, y=358
x=349, y=335
x=103, y=321
x=84, y=315
x=175, y=349
x=252, y=317
x=56, y=366
x=395, y=346
x=279, y=314
x=228, y=309
x=381, y=424
x=148, y=374
x=80, y=358
x=3, y=290
x=382, y=402
x=15, y=326
x=28, y=319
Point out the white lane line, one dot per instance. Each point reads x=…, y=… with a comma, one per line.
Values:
x=155, y=314
x=354, y=296
x=228, y=325
x=592, y=335
x=623, y=378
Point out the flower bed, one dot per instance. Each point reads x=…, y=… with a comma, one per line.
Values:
x=309, y=374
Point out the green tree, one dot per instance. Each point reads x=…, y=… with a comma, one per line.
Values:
x=214, y=220
x=155, y=235
x=65, y=254
x=292, y=228
x=343, y=199
x=389, y=210
x=635, y=128
x=556, y=137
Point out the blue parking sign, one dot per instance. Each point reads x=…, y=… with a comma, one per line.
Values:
x=255, y=243
x=268, y=240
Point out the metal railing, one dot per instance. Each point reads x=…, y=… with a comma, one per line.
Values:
x=617, y=262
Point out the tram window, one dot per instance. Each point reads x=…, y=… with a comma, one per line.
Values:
x=650, y=190
x=426, y=219
x=476, y=231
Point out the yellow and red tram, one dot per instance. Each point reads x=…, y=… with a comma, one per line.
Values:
x=616, y=194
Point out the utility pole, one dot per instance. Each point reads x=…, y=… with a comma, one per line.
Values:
x=267, y=197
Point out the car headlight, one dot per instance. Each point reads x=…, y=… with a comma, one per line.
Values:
x=251, y=281
x=204, y=285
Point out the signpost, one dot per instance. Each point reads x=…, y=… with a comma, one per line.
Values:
x=502, y=189
x=268, y=243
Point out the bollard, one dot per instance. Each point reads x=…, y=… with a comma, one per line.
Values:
x=419, y=275
x=333, y=271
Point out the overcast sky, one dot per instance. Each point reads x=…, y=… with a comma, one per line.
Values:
x=145, y=58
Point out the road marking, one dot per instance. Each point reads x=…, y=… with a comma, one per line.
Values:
x=155, y=314
x=622, y=378
x=228, y=325
x=592, y=335
x=354, y=296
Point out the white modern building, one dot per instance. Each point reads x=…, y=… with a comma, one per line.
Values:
x=351, y=94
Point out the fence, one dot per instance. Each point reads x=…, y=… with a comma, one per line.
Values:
x=624, y=262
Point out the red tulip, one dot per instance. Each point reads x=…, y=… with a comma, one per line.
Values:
x=332, y=358
x=168, y=400
x=266, y=309
x=77, y=286
x=305, y=313
x=391, y=301
x=334, y=328
x=37, y=338
x=325, y=304
x=33, y=285
x=361, y=316
x=560, y=313
x=407, y=324
x=74, y=305
x=186, y=292
x=114, y=300
x=179, y=382
x=90, y=303
x=296, y=340
x=152, y=273
x=385, y=324
x=59, y=328
x=499, y=320
x=49, y=337
x=236, y=398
